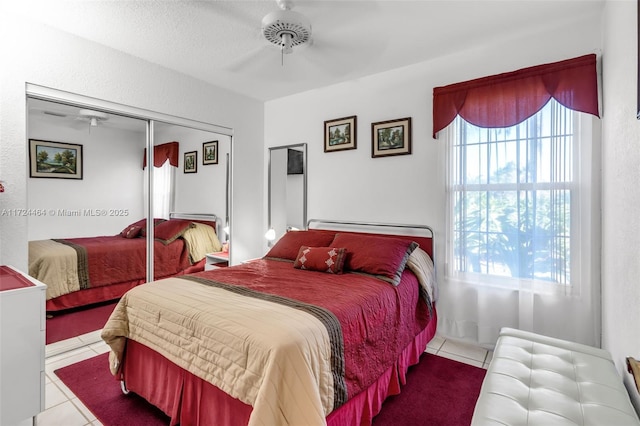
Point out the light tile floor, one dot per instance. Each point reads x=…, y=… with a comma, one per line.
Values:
x=63, y=408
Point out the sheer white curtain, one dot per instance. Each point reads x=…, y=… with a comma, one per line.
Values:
x=523, y=229
x=163, y=193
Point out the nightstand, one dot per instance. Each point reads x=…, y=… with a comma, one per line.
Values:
x=218, y=259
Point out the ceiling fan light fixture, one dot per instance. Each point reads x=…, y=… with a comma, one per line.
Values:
x=286, y=28
x=94, y=117
x=286, y=43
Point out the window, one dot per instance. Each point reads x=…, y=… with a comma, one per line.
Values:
x=163, y=190
x=523, y=203
x=513, y=199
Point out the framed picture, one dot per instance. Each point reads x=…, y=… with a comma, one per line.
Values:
x=391, y=137
x=340, y=134
x=57, y=160
x=191, y=162
x=210, y=152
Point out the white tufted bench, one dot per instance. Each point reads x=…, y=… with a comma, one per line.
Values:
x=538, y=380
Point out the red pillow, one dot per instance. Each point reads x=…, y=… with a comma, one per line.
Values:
x=141, y=225
x=169, y=230
x=289, y=245
x=131, y=231
x=384, y=257
x=322, y=259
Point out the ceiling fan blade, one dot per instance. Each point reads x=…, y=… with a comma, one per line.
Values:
x=246, y=14
x=337, y=14
x=79, y=124
x=339, y=56
x=54, y=113
x=248, y=59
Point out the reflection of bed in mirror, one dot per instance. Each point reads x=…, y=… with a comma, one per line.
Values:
x=285, y=339
x=88, y=270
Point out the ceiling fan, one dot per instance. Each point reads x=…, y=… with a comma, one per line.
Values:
x=332, y=49
x=92, y=117
x=286, y=28
x=74, y=117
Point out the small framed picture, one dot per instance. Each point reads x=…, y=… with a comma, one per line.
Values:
x=391, y=137
x=340, y=134
x=191, y=162
x=210, y=153
x=57, y=160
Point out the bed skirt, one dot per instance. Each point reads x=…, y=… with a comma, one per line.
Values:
x=189, y=400
x=104, y=293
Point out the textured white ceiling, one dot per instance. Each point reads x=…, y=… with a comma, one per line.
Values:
x=220, y=42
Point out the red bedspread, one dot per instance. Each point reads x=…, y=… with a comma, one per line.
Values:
x=377, y=319
x=114, y=259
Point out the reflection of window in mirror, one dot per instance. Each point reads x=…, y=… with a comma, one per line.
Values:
x=287, y=207
x=203, y=192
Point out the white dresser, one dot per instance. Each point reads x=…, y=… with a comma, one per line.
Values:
x=22, y=346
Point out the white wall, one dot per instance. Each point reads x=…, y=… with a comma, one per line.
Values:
x=621, y=189
x=33, y=53
x=112, y=181
x=350, y=185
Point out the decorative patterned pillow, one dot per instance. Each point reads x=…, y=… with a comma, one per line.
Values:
x=289, y=245
x=131, y=231
x=383, y=257
x=141, y=225
x=170, y=230
x=322, y=259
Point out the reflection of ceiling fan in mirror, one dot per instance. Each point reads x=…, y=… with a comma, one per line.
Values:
x=92, y=117
x=75, y=116
x=49, y=113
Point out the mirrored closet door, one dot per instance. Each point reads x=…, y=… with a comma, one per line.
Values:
x=85, y=172
x=89, y=179
x=287, y=189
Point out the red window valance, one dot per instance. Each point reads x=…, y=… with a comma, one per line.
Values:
x=504, y=100
x=162, y=153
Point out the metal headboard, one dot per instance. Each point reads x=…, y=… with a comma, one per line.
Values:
x=424, y=228
x=194, y=216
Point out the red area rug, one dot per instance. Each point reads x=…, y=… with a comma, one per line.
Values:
x=75, y=322
x=99, y=391
x=439, y=391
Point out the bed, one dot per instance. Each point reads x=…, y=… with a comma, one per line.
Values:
x=319, y=331
x=89, y=270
